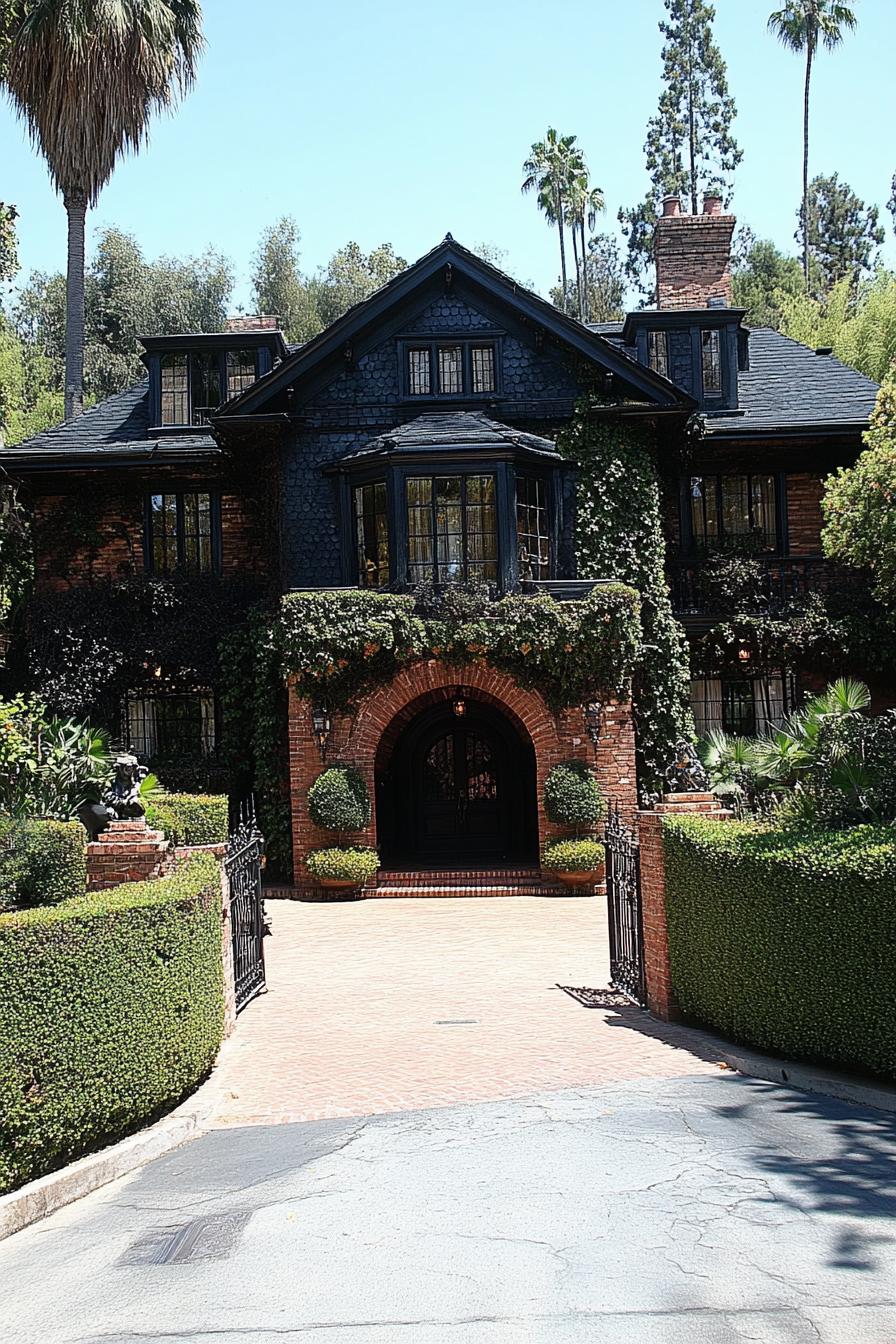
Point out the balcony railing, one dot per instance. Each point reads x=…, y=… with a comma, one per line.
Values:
x=770, y=585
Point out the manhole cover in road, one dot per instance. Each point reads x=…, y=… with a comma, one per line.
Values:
x=212, y=1238
x=457, y=1022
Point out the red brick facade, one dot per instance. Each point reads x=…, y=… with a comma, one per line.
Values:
x=804, y=492
x=366, y=738
x=693, y=257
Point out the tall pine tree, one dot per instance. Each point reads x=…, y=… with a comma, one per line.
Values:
x=689, y=147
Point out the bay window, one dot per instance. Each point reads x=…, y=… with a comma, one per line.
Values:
x=452, y=528
x=372, y=534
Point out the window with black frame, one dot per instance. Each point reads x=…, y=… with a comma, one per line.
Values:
x=658, y=352
x=451, y=368
x=171, y=725
x=180, y=533
x=532, y=533
x=372, y=534
x=711, y=343
x=452, y=529
x=734, y=509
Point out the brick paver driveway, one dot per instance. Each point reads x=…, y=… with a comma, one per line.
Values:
x=390, y=1005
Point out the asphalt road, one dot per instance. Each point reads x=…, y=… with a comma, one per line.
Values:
x=708, y=1209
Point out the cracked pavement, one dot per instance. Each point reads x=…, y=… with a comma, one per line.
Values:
x=667, y=1211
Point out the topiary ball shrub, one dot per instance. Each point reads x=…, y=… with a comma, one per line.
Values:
x=354, y=866
x=572, y=796
x=574, y=856
x=338, y=800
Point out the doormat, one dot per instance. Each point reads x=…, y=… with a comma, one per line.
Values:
x=597, y=998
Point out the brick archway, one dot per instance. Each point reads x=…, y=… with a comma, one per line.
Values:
x=378, y=718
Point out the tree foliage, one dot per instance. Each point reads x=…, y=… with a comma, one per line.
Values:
x=762, y=278
x=690, y=147
x=602, y=289
x=859, y=503
x=844, y=234
x=860, y=328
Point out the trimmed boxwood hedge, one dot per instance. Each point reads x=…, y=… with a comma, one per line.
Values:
x=190, y=818
x=41, y=862
x=111, y=1012
x=786, y=941
x=338, y=799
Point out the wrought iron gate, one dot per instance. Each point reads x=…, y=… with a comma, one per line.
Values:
x=624, y=905
x=243, y=866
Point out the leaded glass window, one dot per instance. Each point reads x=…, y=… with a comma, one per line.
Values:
x=451, y=370
x=240, y=365
x=483, y=367
x=658, y=352
x=533, y=537
x=712, y=361
x=372, y=524
x=728, y=508
x=419, y=373
x=205, y=385
x=181, y=533
x=171, y=726
x=452, y=528
x=175, y=390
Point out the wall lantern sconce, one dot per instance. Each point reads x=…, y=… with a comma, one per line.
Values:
x=744, y=655
x=696, y=487
x=321, y=725
x=458, y=703
x=594, y=718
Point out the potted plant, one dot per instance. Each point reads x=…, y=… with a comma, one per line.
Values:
x=572, y=798
x=576, y=863
x=338, y=801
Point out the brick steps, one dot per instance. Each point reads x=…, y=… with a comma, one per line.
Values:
x=462, y=882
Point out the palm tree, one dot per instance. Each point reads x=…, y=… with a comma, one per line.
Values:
x=585, y=204
x=800, y=25
x=86, y=75
x=548, y=171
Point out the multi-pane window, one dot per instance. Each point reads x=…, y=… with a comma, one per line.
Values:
x=711, y=345
x=533, y=537
x=744, y=706
x=452, y=528
x=483, y=366
x=658, y=352
x=419, y=373
x=240, y=370
x=175, y=390
x=170, y=726
x=205, y=385
x=726, y=508
x=372, y=526
x=180, y=533
x=451, y=370
x=455, y=368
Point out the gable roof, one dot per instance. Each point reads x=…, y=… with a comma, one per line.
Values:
x=789, y=387
x=450, y=258
x=438, y=430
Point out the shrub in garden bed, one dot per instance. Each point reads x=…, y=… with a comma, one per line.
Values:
x=111, y=1012
x=355, y=865
x=190, y=818
x=785, y=939
x=573, y=856
x=41, y=862
x=572, y=796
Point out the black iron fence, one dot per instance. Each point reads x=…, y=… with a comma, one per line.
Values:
x=242, y=864
x=770, y=585
x=627, y=969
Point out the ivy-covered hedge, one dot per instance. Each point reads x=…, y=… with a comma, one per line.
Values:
x=41, y=862
x=785, y=940
x=111, y=1012
x=339, y=645
x=190, y=818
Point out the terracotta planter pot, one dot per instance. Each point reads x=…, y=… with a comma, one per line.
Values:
x=338, y=883
x=583, y=878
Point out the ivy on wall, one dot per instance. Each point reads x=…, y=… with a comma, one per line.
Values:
x=619, y=536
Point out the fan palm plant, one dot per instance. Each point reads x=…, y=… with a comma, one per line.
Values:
x=801, y=25
x=86, y=76
x=548, y=171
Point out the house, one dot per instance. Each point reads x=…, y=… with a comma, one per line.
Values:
x=415, y=441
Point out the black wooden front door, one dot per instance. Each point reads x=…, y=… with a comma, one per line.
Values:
x=461, y=795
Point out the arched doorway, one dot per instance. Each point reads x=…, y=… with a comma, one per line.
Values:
x=458, y=791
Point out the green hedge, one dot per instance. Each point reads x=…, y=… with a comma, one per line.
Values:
x=111, y=1011
x=190, y=818
x=41, y=862
x=338, y=800
x=786, y=941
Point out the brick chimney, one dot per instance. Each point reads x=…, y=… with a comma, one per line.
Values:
x=252, y=322
x=693, y=254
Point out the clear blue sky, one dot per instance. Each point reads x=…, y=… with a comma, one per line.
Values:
x=400, y=121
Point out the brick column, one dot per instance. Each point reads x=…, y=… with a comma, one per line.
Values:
x=127, y=851
x=660, y=999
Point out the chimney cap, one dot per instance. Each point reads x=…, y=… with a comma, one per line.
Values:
x=671, y=205
x=712, y=203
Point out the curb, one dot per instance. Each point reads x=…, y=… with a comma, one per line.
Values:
x=43, y=1196
x=809, y=1078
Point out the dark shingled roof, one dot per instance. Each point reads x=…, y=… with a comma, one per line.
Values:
x=452, y=429
x=118, y=424
x=788, y=385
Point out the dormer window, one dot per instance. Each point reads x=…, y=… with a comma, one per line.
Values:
x=450, y=368
x=194, y=383
x=658, y=352
x=711, y=344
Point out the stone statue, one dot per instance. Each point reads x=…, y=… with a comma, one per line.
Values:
x=123, y=797
x=686, y=774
